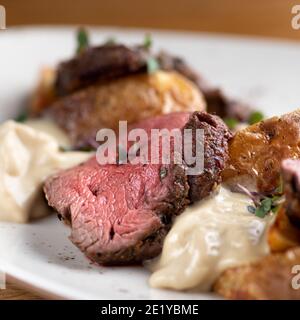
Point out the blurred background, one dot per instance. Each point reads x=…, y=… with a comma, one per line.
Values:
x=271, y=18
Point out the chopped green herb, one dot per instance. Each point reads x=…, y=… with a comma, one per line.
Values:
x=255, y=117
x=264, y=208
x=82, y=40
x=262, y=204
x=275, y=209
x=152, y=65
x=231, y=123
x=22, y=117
x=163, y=172
x=268, y=204
x=148, y=41
x=251, y=209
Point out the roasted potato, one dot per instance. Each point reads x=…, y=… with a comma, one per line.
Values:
x=44, y=93
x=285, y=231
x=270, y=278
x=256, y=152
x=283, y=234
x=132, y=98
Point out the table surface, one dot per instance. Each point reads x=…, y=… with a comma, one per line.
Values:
x=13, y=292
x=256, y=17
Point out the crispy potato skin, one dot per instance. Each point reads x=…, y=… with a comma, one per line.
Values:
x=131, y=98
x=268, y=279
x=282, y=234
x=285, y=231
x=44, y=93
x=257, y=151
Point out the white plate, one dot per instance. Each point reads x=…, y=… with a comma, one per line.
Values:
x=39, y=255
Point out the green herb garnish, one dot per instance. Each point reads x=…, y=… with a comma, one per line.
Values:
x=163, y=173
x=22, y=117
x=147, y=41
x=231, y=123
x=263, y=204
x=255, y=117
x=251, y=209
x=82, y=40
x=264, y=208
x=152, y=65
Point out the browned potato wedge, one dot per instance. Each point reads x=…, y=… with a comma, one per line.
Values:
x=257, y=151
x=282, y=234
x=269, y=278
x=131, y=98
x=44, y=93
x=285, y=231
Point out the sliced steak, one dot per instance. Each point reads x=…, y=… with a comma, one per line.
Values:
x=99, y=63
x=119, y=214
x=216, y=137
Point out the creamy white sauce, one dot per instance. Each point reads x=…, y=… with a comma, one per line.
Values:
x=27, y=157
x=52, y=129
x=209, y=237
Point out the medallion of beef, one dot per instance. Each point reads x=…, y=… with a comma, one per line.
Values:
x=99, y=63
x=120, y=214
x=216, y=137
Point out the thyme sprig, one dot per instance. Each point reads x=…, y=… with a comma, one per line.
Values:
x=83, y=41
x=264, y=205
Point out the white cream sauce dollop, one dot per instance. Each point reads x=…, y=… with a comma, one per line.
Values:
x=27, y=157
x=210, y=236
